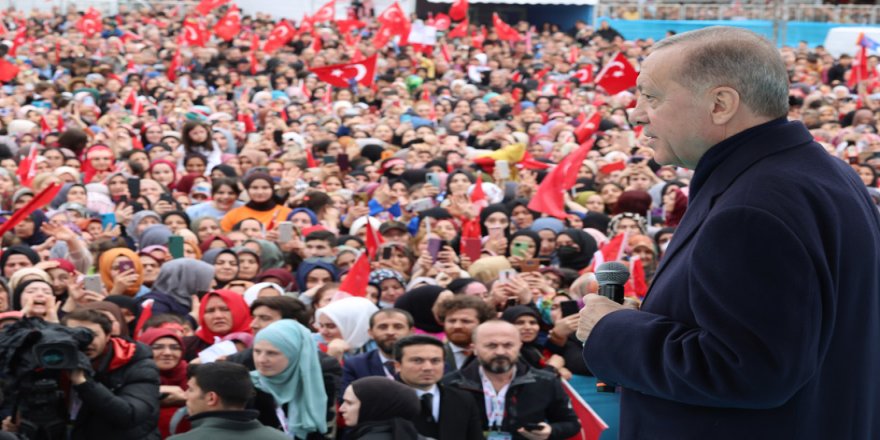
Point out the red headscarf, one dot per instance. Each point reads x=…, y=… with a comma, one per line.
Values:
x=88, y=170
x=176, y=375
x=241, y=315
x=173, y=167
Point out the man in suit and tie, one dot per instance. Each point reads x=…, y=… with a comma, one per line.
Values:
x=387, y=326
x=447, y=413
x=460, y=315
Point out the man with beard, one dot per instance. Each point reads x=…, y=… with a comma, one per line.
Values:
x=515, y=401
x=386, y=327
x=460, y=315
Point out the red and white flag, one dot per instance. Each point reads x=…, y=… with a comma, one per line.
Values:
x=230, y=25
x=584, y=75
x=459, y=31
x=27, y=168
x=588, y=127
x=617, y=76
x=393, y=15
x=504, y=30
x=280, y=35
x=441, y=22
x=341, y=75
x=206, y=6
x=325, y=13
x=255, y=46
x=90, y=23
x=195, y=33
x=355, y=282
x=591, y=424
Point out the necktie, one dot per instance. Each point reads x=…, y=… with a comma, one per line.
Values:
x=389, y=366
x=428, y=407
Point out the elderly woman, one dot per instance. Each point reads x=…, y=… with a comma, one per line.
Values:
x=221, y=312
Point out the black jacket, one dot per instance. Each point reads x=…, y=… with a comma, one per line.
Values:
x=392, y=429
x=122, y=403
x=534, y=396
x=459, y=417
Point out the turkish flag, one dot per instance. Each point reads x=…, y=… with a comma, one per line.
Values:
x=175, y=63
x=355, y=283
x=345, y=26
x=307, y=25
x=587, y=127
x=504, y=30
x=280, y=35
x=325, y=13
x=341, y=75
x=549, y=197
x=373, y=241
x=382, y=37
x=442, y=22
x=206, y=6
x=584, y=75
x=195, y=33
x=393, y=16
x=230, y=25
x=8, y=71
x=478, y=195
x=27, y=168
x=591, y=424
x=459, y=31
x=90, y=23
x=617, y=76
x=458, y=10
x=40, y=200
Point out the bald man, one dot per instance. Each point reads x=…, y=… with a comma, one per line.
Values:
x=514, y=399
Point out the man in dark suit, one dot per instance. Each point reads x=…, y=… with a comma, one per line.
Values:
x=460, y=315
x=447, y=413
x=763, y=320
x=386, y=327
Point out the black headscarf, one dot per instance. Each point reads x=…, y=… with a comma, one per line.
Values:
x=38, y=237
x=580, y=259
x=385, y=402
x=260, y=206
x=419, y=302
x=16, y=295
x=532, y=235
x=491, y=209
x=18, y=249
x=227, y=170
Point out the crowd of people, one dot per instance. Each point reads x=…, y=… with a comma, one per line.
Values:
x=823, y=13
x=209, y=231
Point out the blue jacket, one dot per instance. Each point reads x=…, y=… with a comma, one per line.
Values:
x=763, y=320
x=358, y=366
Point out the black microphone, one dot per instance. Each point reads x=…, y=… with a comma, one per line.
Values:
x=612, y=275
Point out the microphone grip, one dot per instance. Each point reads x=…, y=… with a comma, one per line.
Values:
x=614, y=292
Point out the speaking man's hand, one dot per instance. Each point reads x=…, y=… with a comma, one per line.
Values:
x=595, y=308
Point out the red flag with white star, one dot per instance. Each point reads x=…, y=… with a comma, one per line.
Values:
x=341, y=75
x=617, y=76
x=230, y=25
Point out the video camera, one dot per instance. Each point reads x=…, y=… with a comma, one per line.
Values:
x=33, y=353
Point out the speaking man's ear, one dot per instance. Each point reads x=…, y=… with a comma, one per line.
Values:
x=725, y=104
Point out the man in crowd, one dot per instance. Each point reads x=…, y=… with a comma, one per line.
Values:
x=216, y=399
x=514, y=399
x=387, y=326
x=121, y=400
x=460, y=316
x=447, y=413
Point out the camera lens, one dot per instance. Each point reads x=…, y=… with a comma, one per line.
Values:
x=52, y=357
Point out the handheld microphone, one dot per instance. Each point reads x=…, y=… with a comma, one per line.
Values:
x=612, y=275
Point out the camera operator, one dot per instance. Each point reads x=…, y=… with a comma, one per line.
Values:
x=122, y=399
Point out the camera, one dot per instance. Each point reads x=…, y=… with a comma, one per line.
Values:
x=34, y=354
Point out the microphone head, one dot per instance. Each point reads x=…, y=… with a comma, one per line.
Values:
x=612, y=272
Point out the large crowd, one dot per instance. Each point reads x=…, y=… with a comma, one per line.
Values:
x=245, y=242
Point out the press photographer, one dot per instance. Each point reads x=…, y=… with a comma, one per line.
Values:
x=120, y=399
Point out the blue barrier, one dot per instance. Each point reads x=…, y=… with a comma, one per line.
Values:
x=606, y=405
x=792, y=31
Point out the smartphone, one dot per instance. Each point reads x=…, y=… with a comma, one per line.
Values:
x=511, y=302
x=532, y=426
x=327, y=159
x=472, y=247
x=386, y=253
x=420, y=205
x=285, y=232
x=503, y=169
x=175, y=246
x=167, y=197
x=434, y=247
x=433, y=179
x=362, y=198
x=108, y=220
x=343, y=161
x=569, y=308
x=530, y=265
x=519, y=249
x=134, y=187
x=505, y=275
x=125, y=266
x=93, y=283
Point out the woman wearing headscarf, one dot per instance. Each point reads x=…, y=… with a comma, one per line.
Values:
x=343, y=324
x=16, y=257
x=178, y=281
x=248, y=263
x=262, y=205
x=225, y=262
x=290, y=396
x=270, y=255
x=122, y=272
x=167, y=348
x=387, y=286
x=524, y=245
x=527, y=320
x=495, y=224
x=305, y=283
x=141, y=221
x=419, y=302
x=29, y=232
x=575, y=249
x=380, y=409
x=221, y=312
x=280, y=277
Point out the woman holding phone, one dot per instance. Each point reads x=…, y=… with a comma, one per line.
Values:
x=122, y=272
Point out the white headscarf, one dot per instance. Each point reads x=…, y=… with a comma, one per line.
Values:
x=352, y=316
x=251, y=294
